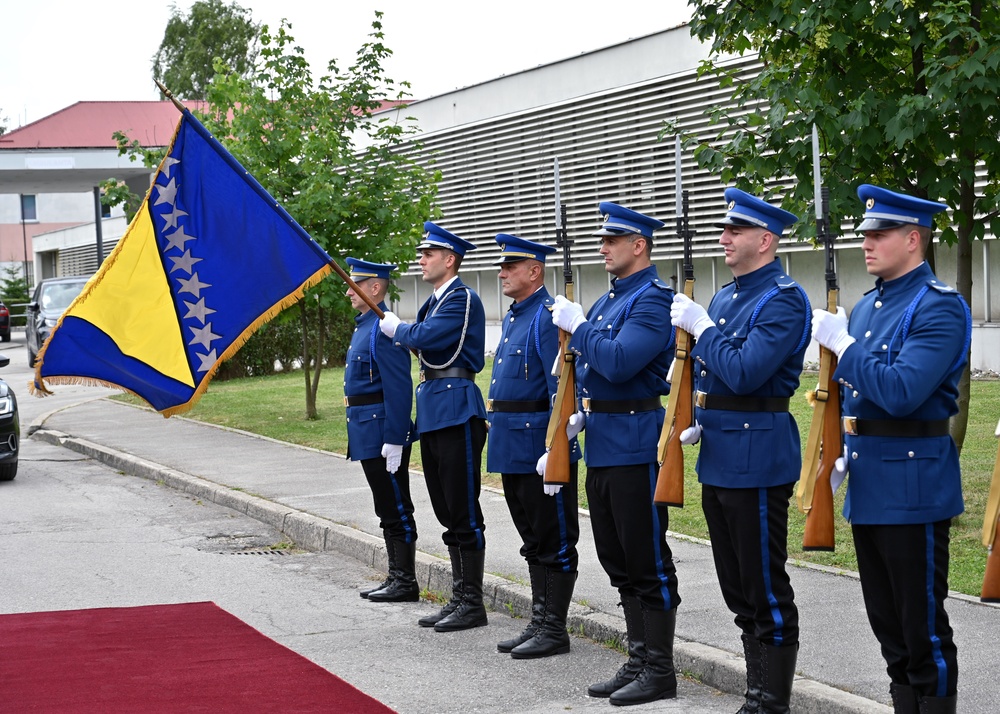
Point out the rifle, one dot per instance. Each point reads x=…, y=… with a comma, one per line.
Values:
x=680, y=409
x=825, y=444
x=557, y=467
x=991, y=535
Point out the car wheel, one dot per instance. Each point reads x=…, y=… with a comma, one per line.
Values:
x=31, y=358
x=5, y=337
x=8, y=471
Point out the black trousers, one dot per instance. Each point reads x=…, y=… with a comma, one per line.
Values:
x=904, y=580
x=630, y=534
x=452, y=460
x=391, y=493
x=749, y=532
x=549, y=526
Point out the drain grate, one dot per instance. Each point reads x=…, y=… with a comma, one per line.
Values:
x=260, y=551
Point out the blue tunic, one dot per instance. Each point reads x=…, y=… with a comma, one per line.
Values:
x=912, y=341
x=756, y=349
x=625, y=349
x=375, y=365
x=522, y=371
x=452, y=334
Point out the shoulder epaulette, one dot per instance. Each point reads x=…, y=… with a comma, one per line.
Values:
x=940, y=287
x=660, y=284
x=784, y=282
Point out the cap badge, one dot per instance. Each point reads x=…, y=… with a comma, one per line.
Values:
x=870, y=204
x=732, y=205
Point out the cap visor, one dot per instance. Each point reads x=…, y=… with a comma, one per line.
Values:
x=509, y=259
x=610, y=232
x=878, y=224
x=728, y=221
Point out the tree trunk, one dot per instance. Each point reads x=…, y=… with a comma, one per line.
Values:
x=306, y=359
x=317, y=361
x=963, y=279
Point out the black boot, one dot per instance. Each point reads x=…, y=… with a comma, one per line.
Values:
x=636, y=631
x=657, y=680
x=904, y=699
x=751, y=650
x=939, y=705
x=777, y=665
x=403, y=578
x=470, y=611
x=536, y=573
x=551, y=637
x=388, y=578
x=456, y=591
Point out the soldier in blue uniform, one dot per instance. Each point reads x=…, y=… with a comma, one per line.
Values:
x=899, y=361
x=378, y=395
x=449, y=336
x=749, y=349
x=625, y=349
x=522, y=389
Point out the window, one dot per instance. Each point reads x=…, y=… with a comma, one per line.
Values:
x=28, y=209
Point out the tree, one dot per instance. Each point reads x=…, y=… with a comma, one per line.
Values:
x=191, y=43
x=15, y=291
x=903, y=94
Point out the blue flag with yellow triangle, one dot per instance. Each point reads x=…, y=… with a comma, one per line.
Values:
x=208, y=258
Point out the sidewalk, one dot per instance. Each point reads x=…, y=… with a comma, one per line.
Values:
x=322, y=502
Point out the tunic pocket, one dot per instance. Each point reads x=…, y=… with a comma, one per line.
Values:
x=909, y=475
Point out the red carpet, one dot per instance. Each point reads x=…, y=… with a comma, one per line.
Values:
x=193, y=657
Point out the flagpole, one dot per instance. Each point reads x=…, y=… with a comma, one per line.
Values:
x=333, y=263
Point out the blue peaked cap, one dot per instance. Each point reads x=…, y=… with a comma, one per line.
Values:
x=619, y=220
x=746, y=210
x=362, y=269
x=888, y=209
x=513, y=249
x=437, y=237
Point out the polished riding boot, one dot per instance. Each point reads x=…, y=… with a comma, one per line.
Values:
x=657, y=680
x=551, y=637
x=536, y=573
x=403, y=578
x=904, y=699
x=751, y=651
x=456, y=591
x=777, y=665
x=388, y=578
x=470, y=611
x=939, y=705
x=636, y=632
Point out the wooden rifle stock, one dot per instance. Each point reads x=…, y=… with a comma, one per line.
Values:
x=680, y=415
x=557, y=467
x=819, y=530
x=991, y=535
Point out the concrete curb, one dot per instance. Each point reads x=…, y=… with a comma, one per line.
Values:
x=709, y=665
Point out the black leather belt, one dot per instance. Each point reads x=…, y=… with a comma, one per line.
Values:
x=913, y=428
x=734, y=403
x=621, y=406
x=363, y=400
x=507, y=405
x=450, y=373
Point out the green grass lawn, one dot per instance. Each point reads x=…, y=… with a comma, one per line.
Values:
x=275, y=407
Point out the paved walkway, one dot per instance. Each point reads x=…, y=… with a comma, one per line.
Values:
x=322, y=502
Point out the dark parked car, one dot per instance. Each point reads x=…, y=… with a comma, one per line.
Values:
x=4, y=322
x=51, y=298
x=10, y=428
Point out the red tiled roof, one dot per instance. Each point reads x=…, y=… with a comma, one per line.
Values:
x=90, y=125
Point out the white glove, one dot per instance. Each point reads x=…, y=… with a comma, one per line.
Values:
x=576, y=424
x=691, y=435
x=830, y=330
x=388, y=324
x=393, y=454
x=567, y=315
x=540, y=464
x=688, y=315
x=839, y=472
x=551, y=489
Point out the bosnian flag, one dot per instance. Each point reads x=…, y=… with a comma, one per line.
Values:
x=208, y=258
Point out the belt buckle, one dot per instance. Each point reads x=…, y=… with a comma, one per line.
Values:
x=347, y=401
x=586, y=404
x=423, y=377
x=700, y=398
x=850, y=425
x=489, y=405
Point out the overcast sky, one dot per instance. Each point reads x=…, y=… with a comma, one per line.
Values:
x=54, y=53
